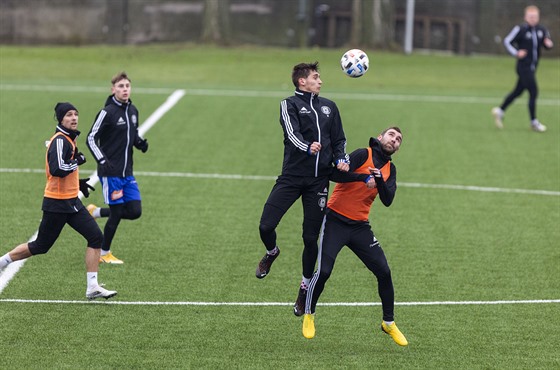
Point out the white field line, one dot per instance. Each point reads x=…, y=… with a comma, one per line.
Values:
x=12, y=269
x=268, y=304
x=277, y=94
x=9, y=272
x=273, y=178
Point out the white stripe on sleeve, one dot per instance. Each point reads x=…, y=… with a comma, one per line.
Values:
x=91, y=137
x=67, y=167
x=289, y=129
x=509, y=38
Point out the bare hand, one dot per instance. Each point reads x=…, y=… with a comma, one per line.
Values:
x=371, y=184
x=314, y=148
x=374, y=171
x=343, y=166
x=548, y=43
x=521, y=53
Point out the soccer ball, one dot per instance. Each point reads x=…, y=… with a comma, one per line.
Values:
x=354, y=63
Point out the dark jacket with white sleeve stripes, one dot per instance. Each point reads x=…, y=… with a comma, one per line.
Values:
x=305, y=118
x=112, y=137
x=529, y=38
x=61, y=162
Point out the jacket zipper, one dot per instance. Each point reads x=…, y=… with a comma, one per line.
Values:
x=127, y=140
x=319, y=131
x=535, y=46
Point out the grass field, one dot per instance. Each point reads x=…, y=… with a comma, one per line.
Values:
x=471, y=238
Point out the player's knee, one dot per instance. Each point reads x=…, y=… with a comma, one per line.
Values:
x=383, y=273
x=310, y=244
x=310, y=240
x=135, y=214
x=95, y=240
x=325, y=273
x=36, y=248
x=133, y=210
x=265, y=228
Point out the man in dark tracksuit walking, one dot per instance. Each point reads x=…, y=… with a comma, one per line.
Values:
x=112, y=137
x=313, y=141
x=346, y=223
x=525, y=42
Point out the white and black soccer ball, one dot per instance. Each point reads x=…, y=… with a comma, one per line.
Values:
x=354, y=63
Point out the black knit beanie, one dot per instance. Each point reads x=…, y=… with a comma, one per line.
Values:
x=60, y=110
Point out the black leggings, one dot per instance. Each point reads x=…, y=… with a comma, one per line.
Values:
x=53, y=223
x=128, y=211
x=360, y=239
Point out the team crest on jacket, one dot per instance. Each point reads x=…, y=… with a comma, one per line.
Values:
x=326, y=110
x=134, y=119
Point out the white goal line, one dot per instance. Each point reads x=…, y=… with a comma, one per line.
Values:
x=270, y=304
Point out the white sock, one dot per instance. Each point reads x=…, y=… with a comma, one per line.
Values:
x=92, y=280
x=104, y=253
x=388, y=323
x=5, y=260
x=273, y=252
x=97, y=212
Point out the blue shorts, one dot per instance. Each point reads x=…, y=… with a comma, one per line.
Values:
x=119, y=190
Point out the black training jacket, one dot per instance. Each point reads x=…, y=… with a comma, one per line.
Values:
x=112, y=136
x=529, y=38
x=305, y=118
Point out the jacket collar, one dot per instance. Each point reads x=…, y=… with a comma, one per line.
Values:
x=376, y=147
x=305, y=95
x=70, y=133
x=112, y=100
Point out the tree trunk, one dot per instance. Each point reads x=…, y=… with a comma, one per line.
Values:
x=356, y=32
x=388, y=23
x=216, y=21
x=303, y=19
x=226, y=26
x=382, y=32
x=377, y=24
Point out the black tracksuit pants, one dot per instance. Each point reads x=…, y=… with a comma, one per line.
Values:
x=313, y=192
x=526, y=80
x=360, y=239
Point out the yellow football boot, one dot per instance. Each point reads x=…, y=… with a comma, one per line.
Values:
x=308, y=329
x=395, y=333
x=109, y=258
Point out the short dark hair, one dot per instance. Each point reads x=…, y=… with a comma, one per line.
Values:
x=119, y=76
x=391, y=128
x=303, y=70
